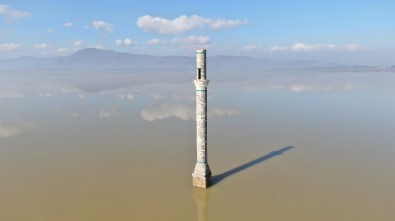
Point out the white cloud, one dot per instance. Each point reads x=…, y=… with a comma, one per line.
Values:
x=99, y=46
x=108, y=112
x=77, y=43
x=126, y=41
x=68, y=25
x=324, y=47
x=11, y=14
x=118, y=42
x=63, y=51
x=9, y=47
x=314, y=47
x=276, y=48
x=9, y=130
x=191, y=40
x=218, y=24
x=353, y=47
x=103, y=26
x=302, y=47
x=41, y=46
x=155, y=41
x=260, y=48
x=183, y=23
x=183, y=112
x=50, y=30
x=251, y=47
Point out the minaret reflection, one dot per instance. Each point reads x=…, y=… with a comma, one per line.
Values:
x=201, y=198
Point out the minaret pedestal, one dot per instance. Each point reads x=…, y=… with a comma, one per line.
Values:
x=201, y=176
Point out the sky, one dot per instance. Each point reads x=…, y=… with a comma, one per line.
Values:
x=343, y=31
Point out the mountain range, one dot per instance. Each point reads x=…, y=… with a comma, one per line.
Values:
x=91, y=58
x=94, y=59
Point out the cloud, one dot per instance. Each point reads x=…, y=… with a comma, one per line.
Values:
x=251, y=47
x=11, y=14
x=108, y=112
x=63, y=51
x=9, y=130
x=155, y=41
x=315, y=47
x=99, y=46
x=183, y=112
x=50, y=30
x=218, y=24
x=324, y=47
x=260, y=48
x=118, y=42
x=183, y=23
x=302, y=47
x=103, y=26
x=41, y=46
x=77, y=43
x=276, y=48
x=68, y=24
x=191, y=40
x=353, y=47
x=126, y=41
x=9, y=47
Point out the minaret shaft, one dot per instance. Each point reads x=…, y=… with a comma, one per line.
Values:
x=202, y=174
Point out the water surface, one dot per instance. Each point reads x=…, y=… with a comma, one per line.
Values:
x=284, y=146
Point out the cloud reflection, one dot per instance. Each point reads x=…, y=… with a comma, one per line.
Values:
x=11, y=95
x=311, y=87
x=9, y=130
x=164, y=111
x=108, y=112
x=128, y=96
x=183, y=112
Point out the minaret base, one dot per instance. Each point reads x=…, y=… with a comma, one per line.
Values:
x=201, y=177
x=202, y=182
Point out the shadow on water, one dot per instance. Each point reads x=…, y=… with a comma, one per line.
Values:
x=217, y=178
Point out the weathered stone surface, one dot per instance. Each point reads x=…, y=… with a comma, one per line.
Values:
x=201, y=177
x=202, y=182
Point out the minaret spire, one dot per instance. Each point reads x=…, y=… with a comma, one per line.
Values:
x=201, y=176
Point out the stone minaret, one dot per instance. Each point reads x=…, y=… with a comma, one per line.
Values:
x=201, y=176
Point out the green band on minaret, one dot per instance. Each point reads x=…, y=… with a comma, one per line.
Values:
x=201, y=90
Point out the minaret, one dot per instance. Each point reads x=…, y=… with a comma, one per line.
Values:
x=201, y=176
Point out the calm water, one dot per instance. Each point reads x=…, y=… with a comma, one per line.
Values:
x=290, y=146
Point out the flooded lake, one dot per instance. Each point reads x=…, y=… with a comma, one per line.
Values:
x=284, y=146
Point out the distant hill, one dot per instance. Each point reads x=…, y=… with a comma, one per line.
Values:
x=95, y=59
